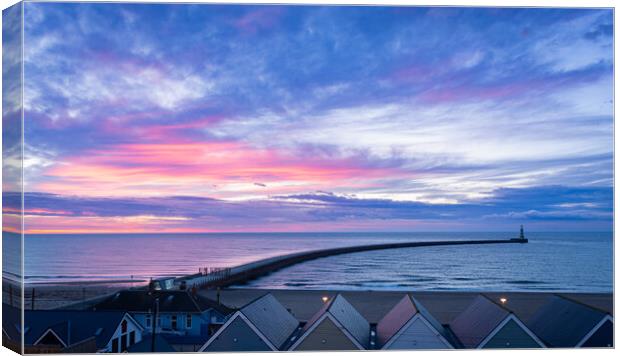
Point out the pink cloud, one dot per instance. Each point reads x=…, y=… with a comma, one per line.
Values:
x=262, y=18
x=174, y=167
x=175, y=131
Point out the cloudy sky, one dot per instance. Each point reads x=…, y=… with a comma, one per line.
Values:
x=291, y=118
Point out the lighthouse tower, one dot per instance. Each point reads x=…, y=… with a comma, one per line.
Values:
x=521, y=234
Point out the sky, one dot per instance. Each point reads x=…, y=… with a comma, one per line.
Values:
x=205, y=118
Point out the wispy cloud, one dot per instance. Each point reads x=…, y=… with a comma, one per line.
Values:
x=435, y=109
x=590, y=207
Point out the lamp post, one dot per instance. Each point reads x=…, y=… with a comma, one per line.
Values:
x=155, y=295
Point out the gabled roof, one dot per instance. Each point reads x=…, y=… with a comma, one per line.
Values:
x=564, y=322
x=72, y=326
x=271, y=318
x=62, y=331
x=348, y=317
x=395, y=319
x=401, y=314
x=170, y=301
x=477, y=321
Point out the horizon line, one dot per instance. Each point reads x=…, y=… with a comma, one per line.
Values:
x=300, y=232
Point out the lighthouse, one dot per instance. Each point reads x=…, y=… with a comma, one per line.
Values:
x=521, y=234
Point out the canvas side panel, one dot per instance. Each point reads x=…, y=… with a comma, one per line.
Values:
x=12, y=183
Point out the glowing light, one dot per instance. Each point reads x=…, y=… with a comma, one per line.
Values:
x=503, y=300
x=325, y=299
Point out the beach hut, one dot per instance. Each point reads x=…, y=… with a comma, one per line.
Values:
x=410, y=326
x=336, y=326
x=486, y=324
x=564, y=322
x=262, y=325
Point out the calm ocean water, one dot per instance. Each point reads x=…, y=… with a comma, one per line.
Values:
x=551, y=261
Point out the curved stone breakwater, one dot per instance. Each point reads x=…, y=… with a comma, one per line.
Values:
x=243, y=273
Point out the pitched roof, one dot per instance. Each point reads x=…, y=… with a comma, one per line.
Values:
x=563, y=322
x=170, y=301
x=72, y=326
x=395, y=319
x=350, y=319
x=443, y=331
x=477, y=321
x=399, y=316
x=63, y=331
x=271, y=318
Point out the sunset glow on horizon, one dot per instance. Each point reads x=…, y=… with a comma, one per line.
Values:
x=216, y=118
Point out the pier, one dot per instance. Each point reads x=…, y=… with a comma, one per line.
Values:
x=243, y=273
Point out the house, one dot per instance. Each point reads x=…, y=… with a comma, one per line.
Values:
x=262, y=325
x=179, y=312
x=486, y=324
x=66, y=331
x=410, y=326
x=336, y=326
x=563, y=322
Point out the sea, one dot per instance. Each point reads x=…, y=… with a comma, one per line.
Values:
x=558, y=261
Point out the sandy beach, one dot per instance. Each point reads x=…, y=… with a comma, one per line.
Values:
x=51, y=296
x=304, y=303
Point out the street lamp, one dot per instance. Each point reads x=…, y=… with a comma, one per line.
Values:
x=153, y=292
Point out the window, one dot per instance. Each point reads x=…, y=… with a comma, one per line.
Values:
x=174, y=322
x=148, y=321
x=188, y=321
x=123, y=342
x=124, y=326
x=132, y=338
x=115, y=345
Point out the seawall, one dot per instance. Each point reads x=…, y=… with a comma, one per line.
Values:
x=249, y=271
